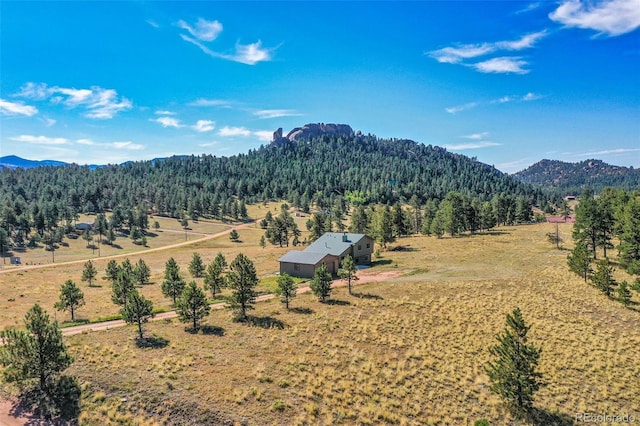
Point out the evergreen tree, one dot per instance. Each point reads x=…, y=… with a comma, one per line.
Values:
x=416, y=214
x=321, y=283
x=359, y=221
x=348, y=271
x=141, y=272
x=630, y=237
x=382, y=226
x=586, y=226
x=263, y=242
x=242, y=279
x=602, y=278
x=38, y=353
x=196, y=267
x=192, y=305
x=71, y=298
x=122, y=287
x=399, y=220
x=624, y=294
x=111, y=271
x=213, y=278
x=138, y=310
x=580, y=261
x=317, y=226
x=173, y=283
x=89, y=272
x=286, y=289
x=513, y=373
x=234, y=236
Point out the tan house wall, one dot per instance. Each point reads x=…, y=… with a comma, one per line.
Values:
x=306, y=271
x=362, y=253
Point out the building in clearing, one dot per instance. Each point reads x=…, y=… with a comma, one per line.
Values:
x=330, y=249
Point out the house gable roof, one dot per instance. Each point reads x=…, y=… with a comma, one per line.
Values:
x=303, y=257
x=332, y=243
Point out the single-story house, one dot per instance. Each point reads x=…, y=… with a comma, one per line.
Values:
x=84, y=226
x=331, y=248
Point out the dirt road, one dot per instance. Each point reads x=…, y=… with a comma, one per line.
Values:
x=116, y=256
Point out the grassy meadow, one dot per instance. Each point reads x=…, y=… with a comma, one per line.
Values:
x=407, y=351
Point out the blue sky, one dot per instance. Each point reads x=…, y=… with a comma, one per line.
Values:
x=507, y=82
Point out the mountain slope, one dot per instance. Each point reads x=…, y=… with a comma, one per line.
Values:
x=13, y=161
x=575, y=177
x=362, y=168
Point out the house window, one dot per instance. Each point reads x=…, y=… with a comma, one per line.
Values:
x=296, y=266
x=359, y=246
x=357, y=259
x=368, y=245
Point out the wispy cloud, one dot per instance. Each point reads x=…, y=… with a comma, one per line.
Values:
x=249, y=54
x=207, y=31
x=502, y=100
x=477, y=136
x=460, y=108
x=17, y=108
x=99, y=103
x=208, y=144
x=607, y=152
x=165, y=112
x=470, y=145
x=126, y=145
x=203, y=29
x=49, y=122
x=458, y=53
x=502, y=65
x=168, y=122
x=608, y=17
x=153, y=23
x=210, y=103
x=227, y=131
x=276, y=113
x=204, y=126
x=40, y=140
x=528, y=8
x=264, y=135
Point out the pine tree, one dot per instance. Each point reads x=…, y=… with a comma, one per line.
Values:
x=602, y=278
x=213, y=278
x=89, y=272
x=173, y=283
x=580, y=261
x=263, y=242
x=513, y=373
x=234, y=236
x=321, y=283
x=359, y=221
x=585, y=228
x=382, y=226
x=38, y=353
x=196, y=267
x=286, y=289
x=111, y=271
x=71, y=298
x=624, y=294
x=192, y=305
x=122, y=287
x=348, y=271
x=141, y=272
x=630, y=237
x=138, y=310
x=242, y=279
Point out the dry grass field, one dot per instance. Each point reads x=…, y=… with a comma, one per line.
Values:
x=407, y=351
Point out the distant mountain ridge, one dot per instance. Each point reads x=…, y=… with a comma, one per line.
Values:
x=575, y=177
x=13, y=161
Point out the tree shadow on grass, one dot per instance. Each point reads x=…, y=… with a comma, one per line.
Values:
x=367, y=296
x=337, y=302
x=542, y=417
x=153, y=342
x=380, y=262
x=212, y=330
x=306, y=311
x=265, y=322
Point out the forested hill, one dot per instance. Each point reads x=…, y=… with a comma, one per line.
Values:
x=360, y=168
x=573, y=178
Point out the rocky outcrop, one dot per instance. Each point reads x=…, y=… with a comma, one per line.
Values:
x=315, y=130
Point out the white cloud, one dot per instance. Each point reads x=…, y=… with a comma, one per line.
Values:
x=276, y=113
x=249, y=54
x=609, y=17
x=128, y=145
x=209, y=103
x=477, y=136
x=165, y=112
x=40, y=140
x=204, y=125
x=208, y=144
x=470, y=145
x=529, y=8
x=264, y=135
x=531, y=97
x=49, y=122
x=608, y=152
x=153, y=23
x=100, y=103
x=457, y=54
x=502, y=65
x=203, y=29
x=460, y=108
x=168, y=122
x=17, y=108
x=227, y=131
